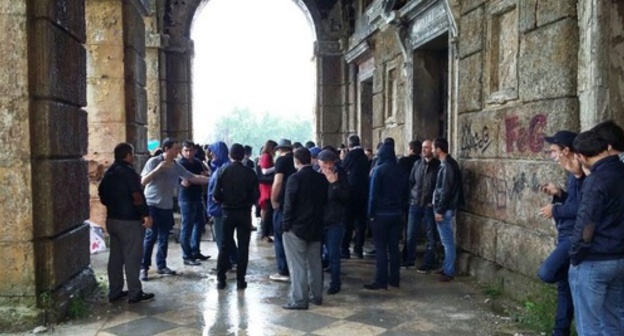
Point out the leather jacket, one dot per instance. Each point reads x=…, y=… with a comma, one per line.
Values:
x=448, y=193
x=422, y=181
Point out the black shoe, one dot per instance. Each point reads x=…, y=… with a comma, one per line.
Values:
x=294, y=306
x=119, y=296
x=240, y=285
x=408, y=265
x=358, y=255
x=317, y=302
x=374, y=286
x=220, y=285
x=344, y=255
x=333, y=290
x=191, y=262
x=202, y=257
x=423, y=269
x=370, y=253
x=143, y=297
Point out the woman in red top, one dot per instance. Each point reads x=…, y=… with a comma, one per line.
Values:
x=266, y=171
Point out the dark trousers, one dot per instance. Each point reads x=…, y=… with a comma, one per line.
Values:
x=266, y=223
x=386, y=231
x=162, y=224
x=554, y=269
x=126, y=242
x=239, y=220
x=280, y=255
x=355, y=220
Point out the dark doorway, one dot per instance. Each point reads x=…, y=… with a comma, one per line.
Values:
x=431, y=89
x=365, y=126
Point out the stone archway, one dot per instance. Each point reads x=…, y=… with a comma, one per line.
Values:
x=327, y=20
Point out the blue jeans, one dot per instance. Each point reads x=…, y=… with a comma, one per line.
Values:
x=280, y=255
x=162, y=224
x=598, y=293
x=191, y=228
x=386, y=231
x=447, y=237
x=333, y=239
x=416, y=215
x=554, y=269
x=218, y=230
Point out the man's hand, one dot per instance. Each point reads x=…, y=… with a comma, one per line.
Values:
x=275, y=205
x=547, y=211
x=439, y=217
x=330, y=175
x=550, y=189
x=185, y=183
x=147, y=222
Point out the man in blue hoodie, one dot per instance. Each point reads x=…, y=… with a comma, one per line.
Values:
x=220, y=159
x=386, y=202
x=597, y=252
x=563, y=210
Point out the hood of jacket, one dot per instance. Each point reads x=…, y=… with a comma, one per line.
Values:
x=220, y=150
x=386, y=154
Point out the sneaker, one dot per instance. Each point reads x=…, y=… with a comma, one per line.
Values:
x=191, y=262
x=333, y=290
x=202, y=257
x=240, y=285
x=143, y=275
x=374, y=286
x=167, y=271
x=423, y=270
x=370, y=253
x=359, y=255
x=408, y=265
x=119, y=296
x=143, y=297
x=221, y=285
x=279, y=277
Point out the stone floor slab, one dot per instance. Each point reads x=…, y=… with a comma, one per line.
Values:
x=304, y=321
x=143, y=327
x=347, y=328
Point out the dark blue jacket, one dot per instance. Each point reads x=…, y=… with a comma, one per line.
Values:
x=221, y=152
x=192, y=193
x=564, y=213
x=388, y=191
x=357, y=167
x=599, y=229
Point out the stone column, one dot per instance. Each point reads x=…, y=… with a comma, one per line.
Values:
x=178, y=101
x=601, y=61
x=154, y=43
x=43, y=178
x=115, y=86
x=331, y=75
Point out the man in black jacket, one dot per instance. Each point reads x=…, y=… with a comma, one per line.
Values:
x=127, y=215
x=422, y=181
x=237, y=190
x=357, y=167
x=337, y=198
x=597, y=253
x=447, y=197
x=306, y=196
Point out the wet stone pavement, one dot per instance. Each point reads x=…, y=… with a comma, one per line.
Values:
x=190, y=304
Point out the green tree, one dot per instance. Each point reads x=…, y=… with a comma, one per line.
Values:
x=247, y=128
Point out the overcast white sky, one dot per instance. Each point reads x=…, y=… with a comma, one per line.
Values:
x=255, y=53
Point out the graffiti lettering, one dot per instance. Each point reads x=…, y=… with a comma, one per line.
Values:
x=524, y=139
x=470, y=140
x=485, y=190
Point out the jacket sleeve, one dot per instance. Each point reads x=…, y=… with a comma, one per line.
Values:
x=373, y=191
x=217, y=191
x=570, y=205
x=339, y=190
x=448, y=177
x=290, y=200
x=589, y=215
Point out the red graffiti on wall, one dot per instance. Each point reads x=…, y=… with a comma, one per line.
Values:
x=523, y=138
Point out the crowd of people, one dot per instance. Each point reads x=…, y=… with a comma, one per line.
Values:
x=319, y=205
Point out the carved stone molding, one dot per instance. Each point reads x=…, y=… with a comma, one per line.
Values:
x=327, y=48
x=358, y=52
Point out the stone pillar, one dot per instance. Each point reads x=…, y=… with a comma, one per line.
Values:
x=115, y=86
x=154, y=43
x=43, y=186
x=601, y=61
x=331, y=75
x=179, y=83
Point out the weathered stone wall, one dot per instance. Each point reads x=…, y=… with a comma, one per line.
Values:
x=517, y=83
x=44, y=198
x=116, y=79
x=601, y=61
